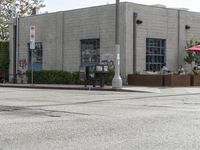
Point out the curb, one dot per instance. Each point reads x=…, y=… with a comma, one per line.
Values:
x=70, y=88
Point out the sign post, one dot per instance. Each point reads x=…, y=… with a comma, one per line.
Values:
x=32, y=47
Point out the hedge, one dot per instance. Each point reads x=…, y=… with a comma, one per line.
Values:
x=4, y=58
x=61, y=77
x=54, y=77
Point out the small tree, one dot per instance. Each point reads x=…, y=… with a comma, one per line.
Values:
x=191, y=56
x=9, y=8
x=4, y=58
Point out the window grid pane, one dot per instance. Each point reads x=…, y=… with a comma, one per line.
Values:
x=90, y=52
x=37, y=57
x=155, y=54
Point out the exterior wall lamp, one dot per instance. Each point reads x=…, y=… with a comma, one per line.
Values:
x=139, y=21
x=187, y=27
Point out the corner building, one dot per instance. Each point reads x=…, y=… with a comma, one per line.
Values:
x=149, y=37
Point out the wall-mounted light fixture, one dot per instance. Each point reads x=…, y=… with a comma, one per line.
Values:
x=187, y=27
x=139, y=21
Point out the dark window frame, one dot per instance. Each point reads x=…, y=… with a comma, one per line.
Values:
x=38, y=53
x=155, y=53
x=90, y=52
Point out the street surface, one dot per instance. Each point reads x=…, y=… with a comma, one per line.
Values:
x=44, y=119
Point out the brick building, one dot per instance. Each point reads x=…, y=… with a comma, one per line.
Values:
x=149, y=37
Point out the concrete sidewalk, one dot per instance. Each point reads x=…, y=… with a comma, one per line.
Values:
x=175, y=90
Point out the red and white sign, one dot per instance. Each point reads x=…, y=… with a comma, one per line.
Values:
x=32, y=37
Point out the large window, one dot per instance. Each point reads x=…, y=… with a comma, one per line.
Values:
x=155, y=54
x=197, y=58
x=37, y=57
x=90, y=52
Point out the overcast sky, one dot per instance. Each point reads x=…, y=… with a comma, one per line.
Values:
x=59, y=5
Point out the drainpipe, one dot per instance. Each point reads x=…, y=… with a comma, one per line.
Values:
x=63, y=41
x=178, y=63
x=17, y=48
x=14, y=52
x=134, y=41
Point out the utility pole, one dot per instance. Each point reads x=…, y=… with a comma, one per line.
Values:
x=117, y=80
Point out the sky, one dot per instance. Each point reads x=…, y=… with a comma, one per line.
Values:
x=60, y=5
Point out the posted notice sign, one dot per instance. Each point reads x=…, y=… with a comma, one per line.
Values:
x=32, y=37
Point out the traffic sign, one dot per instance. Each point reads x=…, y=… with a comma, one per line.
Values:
x=32, y=37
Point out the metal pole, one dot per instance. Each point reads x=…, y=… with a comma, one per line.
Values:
x=32, y=48
x=32, y=67
x=15, y=43
x=17, y=50
x=117, y=81
x=14, y=52
x=179, y=31
x=117, y=23
x=134, y=41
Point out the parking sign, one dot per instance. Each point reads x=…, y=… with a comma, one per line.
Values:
x=32, y=37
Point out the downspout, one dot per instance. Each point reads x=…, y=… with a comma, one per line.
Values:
x=134, y=41
x=63, y=41
x=178, y=63
x=14, y=52
x=17, y=49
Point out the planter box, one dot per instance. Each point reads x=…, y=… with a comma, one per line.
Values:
x=195, y=80
x=145, y=80
x=177, y=80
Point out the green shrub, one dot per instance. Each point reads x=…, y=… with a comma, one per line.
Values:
x=191, y=56
x=52, y=77
x=4, y=58
x=61, y=77
x=109, y=76
x=75, y=78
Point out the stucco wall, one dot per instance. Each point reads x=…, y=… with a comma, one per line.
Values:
x=61, y=32
x=191, y=19
x=157, y=22
x=95, y=22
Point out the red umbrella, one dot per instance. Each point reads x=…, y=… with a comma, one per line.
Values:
x=195, y=48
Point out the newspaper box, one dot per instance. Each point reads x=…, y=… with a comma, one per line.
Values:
x=100, y=73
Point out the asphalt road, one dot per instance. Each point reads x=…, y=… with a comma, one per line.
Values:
x=34, y=119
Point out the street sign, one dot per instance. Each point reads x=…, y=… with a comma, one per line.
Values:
x=32, y=37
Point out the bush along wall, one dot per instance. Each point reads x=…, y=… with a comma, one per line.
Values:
x=4, y=59
x=54, y=77
x=61, y=77
x=109, y=76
